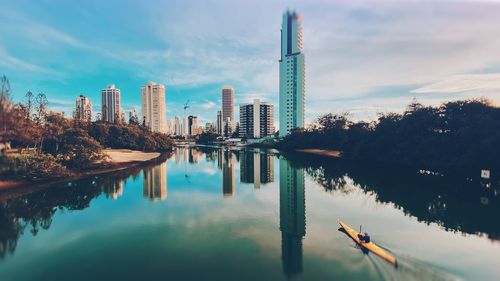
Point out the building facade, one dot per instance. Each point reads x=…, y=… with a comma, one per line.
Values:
x=153, y=107
x=229, y=124
x=220, y=124
x=111, y=106
x=227, y=103
x=292, y=75
x=83, y=110
x=193, y=125
x=256, y=120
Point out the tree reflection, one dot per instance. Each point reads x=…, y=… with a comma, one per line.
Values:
x=453, y=202
x=34, y=211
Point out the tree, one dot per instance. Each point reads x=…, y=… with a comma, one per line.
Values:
x=6, y=116
x=79, y=150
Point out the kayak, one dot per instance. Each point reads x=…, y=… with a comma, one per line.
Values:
x=370, y=246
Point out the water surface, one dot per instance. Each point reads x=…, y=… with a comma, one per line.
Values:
x=216, y=214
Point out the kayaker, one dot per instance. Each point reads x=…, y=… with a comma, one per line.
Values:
x=364, y=238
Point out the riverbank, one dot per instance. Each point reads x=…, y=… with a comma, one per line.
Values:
x=322, y=152
x=118, y=159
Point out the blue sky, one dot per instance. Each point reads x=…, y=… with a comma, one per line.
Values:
x=361, y=56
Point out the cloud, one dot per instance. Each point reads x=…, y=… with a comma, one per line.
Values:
x=479, y=83
x=11, y=62
x=208, y=105
x=354, y=50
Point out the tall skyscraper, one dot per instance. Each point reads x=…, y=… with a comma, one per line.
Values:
x=220, y=124
x=83, y=111
x=292, y=216
x=292, y=74
x=193, y=125
x=153, y=107
x=256, y=120
x=155, y=182
x=228, y=103
x=171, y=126
x=178, y=126
x=111, y=107
x=229, y=124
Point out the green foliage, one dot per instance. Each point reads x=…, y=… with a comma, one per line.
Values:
x=122, y=136
x=33, y=166
x=461, y=135
x=79, y=150
x=206, y=138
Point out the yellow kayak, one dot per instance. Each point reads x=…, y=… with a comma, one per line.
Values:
x=370, y=246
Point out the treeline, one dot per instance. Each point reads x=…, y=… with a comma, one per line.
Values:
x=50, y=145
x=459, y=136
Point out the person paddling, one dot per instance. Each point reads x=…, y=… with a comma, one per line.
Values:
x=363, y=238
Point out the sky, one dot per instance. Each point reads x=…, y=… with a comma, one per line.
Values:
x=362, y=57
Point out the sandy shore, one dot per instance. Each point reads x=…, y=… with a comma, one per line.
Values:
x=323, y=152
x=119, y=156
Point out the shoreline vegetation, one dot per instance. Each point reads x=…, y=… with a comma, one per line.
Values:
x=38, y=145
x=458, y=137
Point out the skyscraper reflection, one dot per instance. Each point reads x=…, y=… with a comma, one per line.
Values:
x=155, y=182
x=256, y=168
x=113, y=189
x=227, y=162
x=292, y=217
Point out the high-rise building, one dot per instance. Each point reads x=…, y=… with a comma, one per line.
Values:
x=178, y=127
x=256, y=120
x=193, y=125
x=228, y=103
x=292, y=216
x=111, y=107
x=155, y=182
x=210, y=127
x=132, y=116
x=185, y=126
x=220, y=124
x=153, y=107
x=229, y=124
x=83, y=111
x=171, y=126
x=292, y=74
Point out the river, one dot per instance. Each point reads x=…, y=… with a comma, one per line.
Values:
x=219, y=214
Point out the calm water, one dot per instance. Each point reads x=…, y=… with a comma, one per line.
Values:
x=209, y=214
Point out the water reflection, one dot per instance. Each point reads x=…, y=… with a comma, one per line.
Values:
x=227, y=162
x=455, y=203
x=155, y=182
x=113, y=190
x=292, y=217
x=256, y=167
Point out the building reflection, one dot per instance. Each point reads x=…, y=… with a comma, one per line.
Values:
x=155, y=182
x=256, y=168
x=113, y=189
x=292, y=217
x=227, y=162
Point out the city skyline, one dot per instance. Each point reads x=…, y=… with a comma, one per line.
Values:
x=68, y=59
